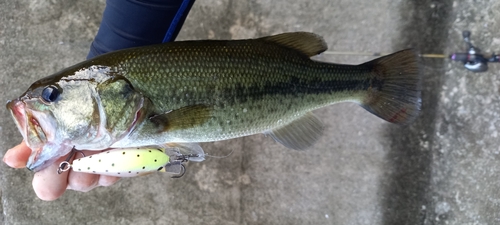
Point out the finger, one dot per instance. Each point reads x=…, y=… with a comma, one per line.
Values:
x=17, y=157
x=83, y=181
x=48, y=184
x=106, y=181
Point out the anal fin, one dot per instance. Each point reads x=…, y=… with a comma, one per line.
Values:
x=300, y=134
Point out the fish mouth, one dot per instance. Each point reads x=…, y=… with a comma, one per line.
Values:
x=27, y=124
x=32, y=133
x=17, y=109
x=33, y=163
x=46, y=155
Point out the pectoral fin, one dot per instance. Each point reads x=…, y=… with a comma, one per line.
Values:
x=299, y=134
x=182, y=118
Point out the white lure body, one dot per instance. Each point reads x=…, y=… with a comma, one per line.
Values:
x=123, y=162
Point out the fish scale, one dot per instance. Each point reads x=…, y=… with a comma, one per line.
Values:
x=266, y=93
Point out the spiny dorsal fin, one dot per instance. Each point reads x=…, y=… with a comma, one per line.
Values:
x=182, y=118
x=307, y=43
x=300, y=134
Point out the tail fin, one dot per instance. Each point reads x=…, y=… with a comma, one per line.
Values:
x=394, y=93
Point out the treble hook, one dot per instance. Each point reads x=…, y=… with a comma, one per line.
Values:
x=183, y=171
x=185, y=158
x=65, y=165
x=182, y=159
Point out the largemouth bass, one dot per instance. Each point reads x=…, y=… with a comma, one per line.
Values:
x=204, y=91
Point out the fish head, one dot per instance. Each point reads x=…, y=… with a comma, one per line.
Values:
x=54, y=115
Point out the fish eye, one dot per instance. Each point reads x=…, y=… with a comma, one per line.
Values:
x=50, y=94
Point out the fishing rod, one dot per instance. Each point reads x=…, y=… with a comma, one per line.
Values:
x=472, y=58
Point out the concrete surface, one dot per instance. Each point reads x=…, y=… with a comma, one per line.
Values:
x=442, y=169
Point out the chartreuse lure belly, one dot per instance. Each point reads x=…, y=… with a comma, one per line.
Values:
x=123, y=162
x=130, y=162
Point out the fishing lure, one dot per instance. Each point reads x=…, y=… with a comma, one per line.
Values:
x=131, y=162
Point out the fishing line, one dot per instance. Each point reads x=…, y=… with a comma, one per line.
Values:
x=431, y=55
x=379, y=54
x=472, y=59
x=220, y=157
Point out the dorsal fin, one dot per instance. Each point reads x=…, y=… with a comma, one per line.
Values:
x=307, y=43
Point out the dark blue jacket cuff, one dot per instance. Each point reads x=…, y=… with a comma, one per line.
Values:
x=133, y=23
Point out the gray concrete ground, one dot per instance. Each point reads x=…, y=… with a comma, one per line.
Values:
x=440, y=170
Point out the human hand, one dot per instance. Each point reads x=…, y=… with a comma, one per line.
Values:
x=159, y=22
x=47, y=183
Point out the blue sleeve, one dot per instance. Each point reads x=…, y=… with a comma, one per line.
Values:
x=133, y=23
